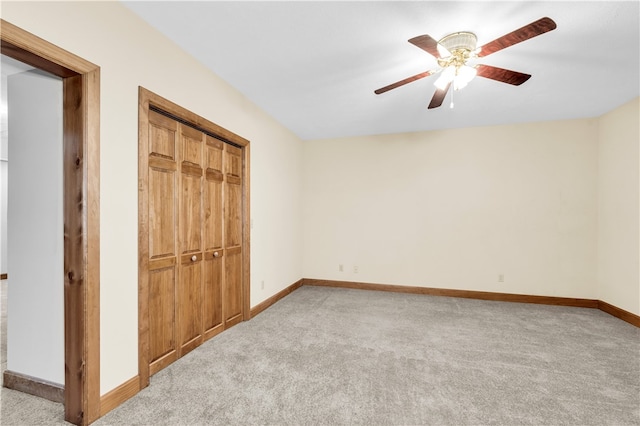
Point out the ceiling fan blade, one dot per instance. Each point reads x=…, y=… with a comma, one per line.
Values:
x=403, y=82
x=426, y=43
x=536, y=28
x=438, y=97
x=502, y=75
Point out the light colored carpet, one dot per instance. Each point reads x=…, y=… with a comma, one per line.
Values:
x=336, y=356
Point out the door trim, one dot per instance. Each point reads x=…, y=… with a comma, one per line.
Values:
x=81, y=170
x=147, y=100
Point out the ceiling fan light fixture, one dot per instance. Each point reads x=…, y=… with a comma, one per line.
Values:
x=447, y=76
x=463, y=76
x=459, y=76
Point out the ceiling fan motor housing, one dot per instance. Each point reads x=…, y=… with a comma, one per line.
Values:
x=460, y=41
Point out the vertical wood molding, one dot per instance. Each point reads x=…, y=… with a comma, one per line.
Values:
x=91, y=182
x=81, y=136
x=33, y=386
x=143, y=238
x=74, y=268
x=246, y=232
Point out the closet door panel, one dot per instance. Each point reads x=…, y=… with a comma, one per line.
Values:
x=232, y=290
x=190, y=290
x=213, y=237
x=162, y=240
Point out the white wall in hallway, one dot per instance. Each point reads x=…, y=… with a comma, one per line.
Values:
x=35, y=332
x=8, y=66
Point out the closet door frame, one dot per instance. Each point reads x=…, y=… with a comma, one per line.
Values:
x=148, y=100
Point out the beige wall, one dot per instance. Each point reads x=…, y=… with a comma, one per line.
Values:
x=618, y=207
x=457, y=208
x=552, y=207
x=131, y=53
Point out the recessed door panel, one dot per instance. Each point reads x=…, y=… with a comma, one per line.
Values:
x=190, y=214
x=214, y=153
x=191, y=145
x=162, y=136
x=190, y=305
x=233, y=161
x=212, y=303
x=233, y=211
x=232, y=286
x=162, y=212
x=162, y=311
x=213, y=214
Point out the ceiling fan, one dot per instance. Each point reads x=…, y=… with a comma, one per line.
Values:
x=454, y=51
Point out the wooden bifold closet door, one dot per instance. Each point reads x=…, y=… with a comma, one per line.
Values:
x=195, y=238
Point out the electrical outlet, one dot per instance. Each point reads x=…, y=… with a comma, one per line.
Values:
x=501, y=278
x=262, y=285
x=355, y=269
x=340, y=267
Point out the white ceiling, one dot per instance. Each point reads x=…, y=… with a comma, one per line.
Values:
x=313, y=65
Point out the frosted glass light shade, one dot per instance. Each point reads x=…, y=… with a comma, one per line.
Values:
x=446, y=77
x=464, y=76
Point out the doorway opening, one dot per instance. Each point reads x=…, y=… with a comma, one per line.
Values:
x=32, y=207
x=81, y=214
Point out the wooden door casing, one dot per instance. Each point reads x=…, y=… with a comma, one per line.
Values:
x=81, y=116
x=193, y=186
